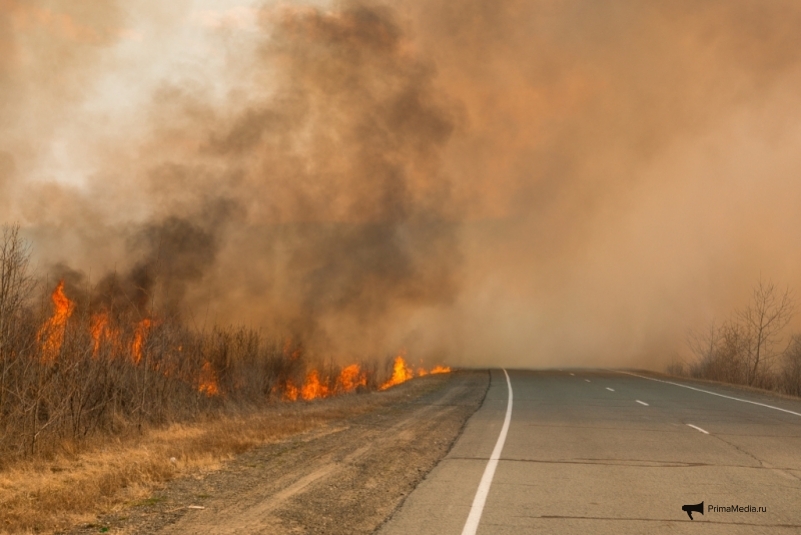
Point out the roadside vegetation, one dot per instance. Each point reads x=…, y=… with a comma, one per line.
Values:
x=102, y=395
x=753, y=347
x=73, y=366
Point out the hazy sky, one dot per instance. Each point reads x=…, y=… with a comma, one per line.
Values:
x=527, y=183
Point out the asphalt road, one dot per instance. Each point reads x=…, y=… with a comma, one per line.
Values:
x=605, y=452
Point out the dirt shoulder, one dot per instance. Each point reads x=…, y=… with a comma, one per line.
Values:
x=346, y=475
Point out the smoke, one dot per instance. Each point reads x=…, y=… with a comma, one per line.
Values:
x=519, y=183
x=635, y=170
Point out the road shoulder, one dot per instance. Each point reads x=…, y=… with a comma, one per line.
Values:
x=346, y=476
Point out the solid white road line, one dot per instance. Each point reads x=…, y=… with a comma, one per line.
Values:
x=713, y=393
x=641, y=402
x=477, y=508
x=610, y=389
x=698, y=429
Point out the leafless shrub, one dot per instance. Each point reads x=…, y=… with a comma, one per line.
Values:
x=725, y=359
x=763, y=322
x=677, y=368
x=85, y=365
x=791, y=372
x=745, y=349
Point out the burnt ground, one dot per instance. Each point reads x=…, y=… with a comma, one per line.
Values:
x=346, y=476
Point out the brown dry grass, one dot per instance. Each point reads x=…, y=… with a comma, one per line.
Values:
x=99, y=391
x=39, y=496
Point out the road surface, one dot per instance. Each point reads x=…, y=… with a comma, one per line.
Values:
x=608, y=452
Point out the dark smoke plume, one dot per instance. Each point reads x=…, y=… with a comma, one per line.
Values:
x=527, y=183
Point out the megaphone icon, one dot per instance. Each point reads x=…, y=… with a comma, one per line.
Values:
x=697, y=508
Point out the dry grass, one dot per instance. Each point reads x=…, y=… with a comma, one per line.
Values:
x=89, y=363
x=103, y=397
x=48, y=495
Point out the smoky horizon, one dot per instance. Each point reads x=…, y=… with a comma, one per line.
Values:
x=521, y=184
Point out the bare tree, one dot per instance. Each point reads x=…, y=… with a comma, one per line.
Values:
x=721, y=352
x=764, y=319
x=731, y=362
x=16, y=284
x=703, y=344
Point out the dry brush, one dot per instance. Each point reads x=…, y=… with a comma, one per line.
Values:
x=83, y=362
x=753, y=347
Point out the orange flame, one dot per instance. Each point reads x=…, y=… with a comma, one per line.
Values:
x=313, y=388
x=142, y=329
x=97, y=328
x=291, y=391
x=51, y=334
x=101, y=331
x=350, y=378
x=400, y=373
x=208, y=380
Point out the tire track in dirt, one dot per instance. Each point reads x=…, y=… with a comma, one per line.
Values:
x=346, y=477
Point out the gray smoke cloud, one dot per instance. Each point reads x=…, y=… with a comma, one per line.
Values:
x=518, y=183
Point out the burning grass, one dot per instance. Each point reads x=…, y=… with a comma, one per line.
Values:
x=104, y=475
x=402, y=372
x=83, y=381
x=51, y=334
x=84, y=371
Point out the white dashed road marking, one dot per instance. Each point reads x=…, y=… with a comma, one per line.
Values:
x=714, y=393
